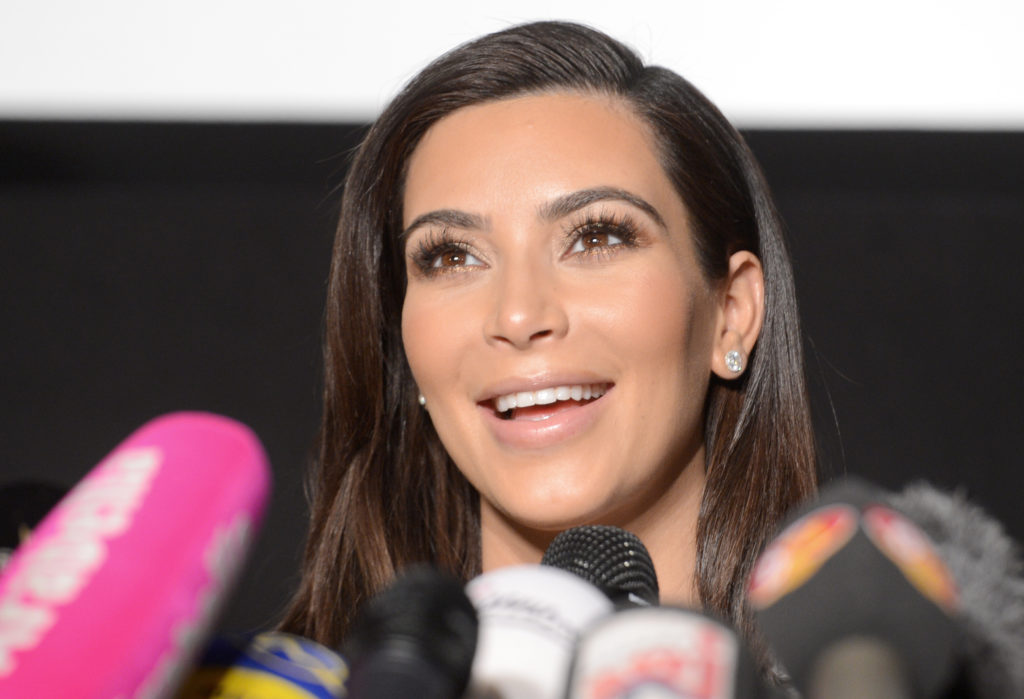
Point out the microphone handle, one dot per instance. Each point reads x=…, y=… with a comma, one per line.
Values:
x=859, y=666
x=398, y=674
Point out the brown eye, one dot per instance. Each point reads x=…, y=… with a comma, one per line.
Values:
x=440, y=253
x=450, y=259
x=596, y=240
x=454, y=257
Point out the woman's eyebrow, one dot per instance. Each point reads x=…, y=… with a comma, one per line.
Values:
x=568, y=203
x=446, y=217
x=552, y=211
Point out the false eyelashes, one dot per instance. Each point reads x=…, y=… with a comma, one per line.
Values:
x=601, y=234
x=590, y=235
x=439, y=251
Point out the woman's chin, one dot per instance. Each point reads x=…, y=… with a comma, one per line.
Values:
x=554, y=514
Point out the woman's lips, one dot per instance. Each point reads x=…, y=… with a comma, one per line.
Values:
x=538, y=426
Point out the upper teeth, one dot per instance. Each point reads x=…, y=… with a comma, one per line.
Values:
x=525, y=399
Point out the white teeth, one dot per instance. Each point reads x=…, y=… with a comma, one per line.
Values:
x=546, y=396
x=525, y=399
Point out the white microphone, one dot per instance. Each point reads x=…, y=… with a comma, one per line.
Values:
x=530, y=618
x=662, y=652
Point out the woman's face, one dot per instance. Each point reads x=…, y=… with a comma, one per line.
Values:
x=550, y=263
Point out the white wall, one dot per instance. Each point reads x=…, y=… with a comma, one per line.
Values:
x=886, y=63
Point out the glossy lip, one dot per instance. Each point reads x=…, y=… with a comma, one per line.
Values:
x=566, y=423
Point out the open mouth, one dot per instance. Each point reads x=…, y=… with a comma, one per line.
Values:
x=539, y=405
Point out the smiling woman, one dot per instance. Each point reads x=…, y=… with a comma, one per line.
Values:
x=560, y=258
x=559, y=296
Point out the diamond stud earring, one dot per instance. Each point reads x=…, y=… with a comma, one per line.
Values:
x=734, y=360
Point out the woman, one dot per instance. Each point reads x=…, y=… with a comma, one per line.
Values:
x=559, y=295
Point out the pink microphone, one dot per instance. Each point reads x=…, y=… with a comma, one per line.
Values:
x=118, y=586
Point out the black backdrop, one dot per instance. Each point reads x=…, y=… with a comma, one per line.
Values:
x=152, y=267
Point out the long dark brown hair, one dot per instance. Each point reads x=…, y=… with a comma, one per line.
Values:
x=384, y=493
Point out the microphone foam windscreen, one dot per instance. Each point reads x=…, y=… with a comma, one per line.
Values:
x=612, y=559
x=987, y=566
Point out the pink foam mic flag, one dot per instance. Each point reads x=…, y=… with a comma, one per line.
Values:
x=118, y=585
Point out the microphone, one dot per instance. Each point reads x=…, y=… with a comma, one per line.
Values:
x=855, y=601
x=662, y=652
x=613, y=560
x=415, y=638
x=988, y=570
x=270, y=665
x=530, y=617
x=118, y=585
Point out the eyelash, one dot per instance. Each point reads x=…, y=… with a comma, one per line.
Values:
x=430, y=249
x=621, y=226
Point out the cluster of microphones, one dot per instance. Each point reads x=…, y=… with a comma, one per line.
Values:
x=116, y=590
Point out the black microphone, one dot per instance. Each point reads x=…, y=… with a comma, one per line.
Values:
x=614, y=560
x=855, y=601
x=415, y=638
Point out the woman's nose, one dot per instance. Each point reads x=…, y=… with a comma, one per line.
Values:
x=526, y=307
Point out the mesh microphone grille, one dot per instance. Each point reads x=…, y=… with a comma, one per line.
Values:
x=612, y=559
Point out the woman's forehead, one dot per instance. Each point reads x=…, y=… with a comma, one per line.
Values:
x=552, y=142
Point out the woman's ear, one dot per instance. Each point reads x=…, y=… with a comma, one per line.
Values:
x=740, y=315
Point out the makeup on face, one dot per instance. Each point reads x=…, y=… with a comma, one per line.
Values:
x=555, y=316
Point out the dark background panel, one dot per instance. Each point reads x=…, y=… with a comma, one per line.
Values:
x=160, y=266
x=150, y=268
x=905, y=248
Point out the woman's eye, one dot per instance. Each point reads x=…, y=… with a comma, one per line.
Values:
x=439, y=253
x=455, y=258
x=596, y=240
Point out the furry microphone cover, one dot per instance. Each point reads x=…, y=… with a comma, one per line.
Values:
x=986, y=564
